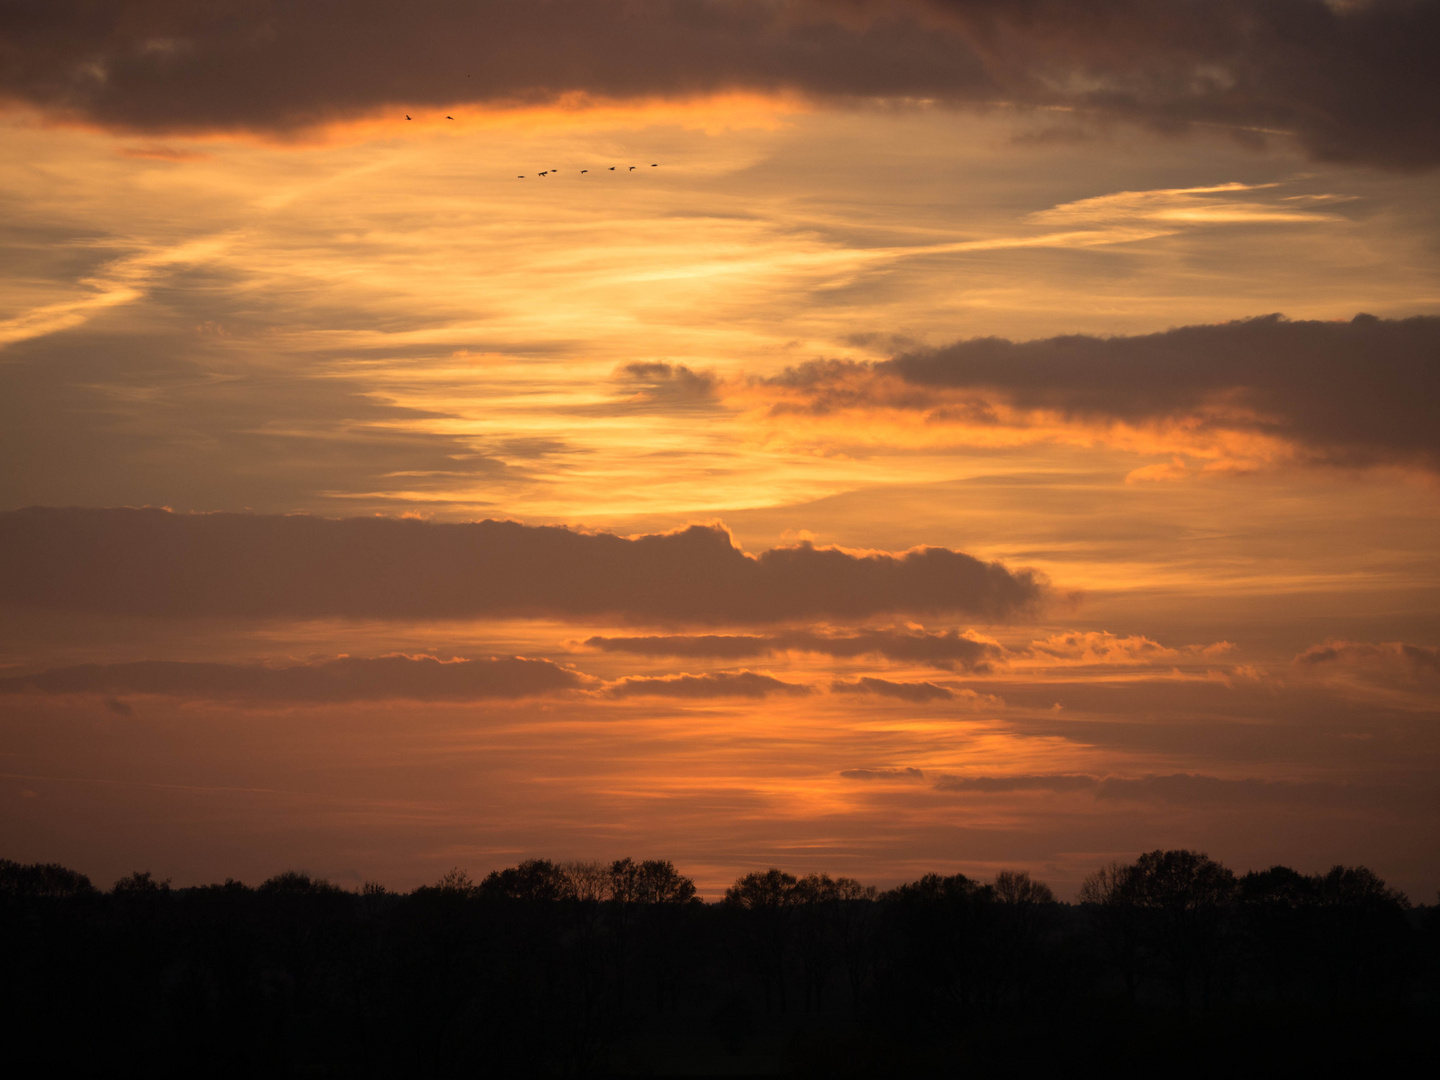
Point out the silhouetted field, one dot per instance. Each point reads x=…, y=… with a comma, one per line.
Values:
x=1171, y=965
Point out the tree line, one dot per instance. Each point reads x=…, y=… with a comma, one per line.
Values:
x=589, y=968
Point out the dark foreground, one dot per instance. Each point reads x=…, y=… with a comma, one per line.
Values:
x=1170, y=966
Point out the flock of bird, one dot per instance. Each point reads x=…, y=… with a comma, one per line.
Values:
x=547, y=172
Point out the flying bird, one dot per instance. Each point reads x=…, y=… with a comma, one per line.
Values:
x=655, y=166
x=449, y=118
x=612, y=168
x=632, y=168
x=545, y=173
x=407, y=117
x=584, y=170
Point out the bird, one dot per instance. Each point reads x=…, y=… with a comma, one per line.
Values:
x=612, y=168
x=546, y=173
x=407, y=117
x=632, y=168
x=449, y=118
x=584, y=170
x=655, y=166
x=520, y=177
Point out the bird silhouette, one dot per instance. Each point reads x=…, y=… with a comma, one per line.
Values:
x=612, y=168
x=632, y=168
x=584, y=170
x=449, y=118
x=655, y=166
x=520, y=177
x=407, y=117
x=546, y=173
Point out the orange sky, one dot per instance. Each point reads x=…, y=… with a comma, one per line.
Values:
x=764, y=324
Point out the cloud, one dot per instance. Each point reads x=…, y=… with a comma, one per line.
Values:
x=1351, y=82
x=153, y=562
x=161, y=153
x=1103, y=647
x=179, y=413
x=915, y=692
x=344, y=678
x=720, y=684
x=1192, y=789
x=1007, y=784
x=883, y=774
x=947, y=650
x=1186, y=206
x=1348, y=394
x=1385, y=658
x=654, y=386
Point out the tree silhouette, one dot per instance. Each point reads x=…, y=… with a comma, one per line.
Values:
x=1023, y=917
x=1186, y=896
x=762, y=904
x=42, y=880
x=1111, y=895
x=592, y=968
x=936, y=922
x=857, y=925
x=534, y=880
x=139, y=883
x=1277, y=918
x=1363, y=922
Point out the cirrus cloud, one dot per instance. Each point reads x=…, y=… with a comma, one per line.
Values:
x=340, y=679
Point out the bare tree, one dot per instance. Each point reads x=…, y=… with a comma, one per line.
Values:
x=589, y=881
x=1110, y=893
x=763, y=902
x=858, y=924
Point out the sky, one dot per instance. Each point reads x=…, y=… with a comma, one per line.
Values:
x=857, y=437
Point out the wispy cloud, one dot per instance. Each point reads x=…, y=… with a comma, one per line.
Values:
x=121, y=281
x=948, y=649
x=724, y=684
x=341, y=679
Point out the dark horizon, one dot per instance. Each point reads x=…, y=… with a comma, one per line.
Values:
x=591, y=969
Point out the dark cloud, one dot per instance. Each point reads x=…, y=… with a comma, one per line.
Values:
x=345, y=678
x=1006, y=784
x=1395, y=656
x=915, y=692
x=659, y=387
x=883, y=774
x=1191, y=789
x=152, y=562
x=947, y=650
x=720, y=684
x=1354, y=82
x=1356, y=393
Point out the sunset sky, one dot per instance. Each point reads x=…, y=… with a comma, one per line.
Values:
x=844, y=435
